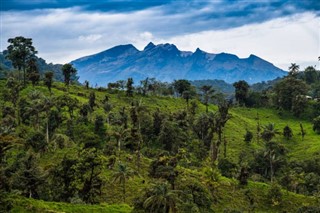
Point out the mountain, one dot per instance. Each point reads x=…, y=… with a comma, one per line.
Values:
x=43, y=66
x=166, y=62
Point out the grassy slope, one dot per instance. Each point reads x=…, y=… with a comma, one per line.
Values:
x=228, y=194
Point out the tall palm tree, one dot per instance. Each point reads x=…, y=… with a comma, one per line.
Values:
x=119, y=133
x=293, y=69
x=207, y=94
x=121, y=176
x=162, y=199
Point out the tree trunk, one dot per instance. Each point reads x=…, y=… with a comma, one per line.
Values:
x=24, y=76
x=124, y=190
x=225, y=147
x=271, y=167
x=47, y=131
x=138, y=156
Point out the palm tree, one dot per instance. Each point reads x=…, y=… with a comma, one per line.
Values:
x=269, y=132
x=293, y=69
x=119, y=133
x=122, y=174
x=162, y=199
x=207, y=94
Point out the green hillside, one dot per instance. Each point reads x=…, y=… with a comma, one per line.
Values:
x=78, y=169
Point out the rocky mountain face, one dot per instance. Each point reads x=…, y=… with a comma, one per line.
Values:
x=166, y=62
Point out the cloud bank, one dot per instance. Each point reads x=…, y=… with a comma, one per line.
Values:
x=279, y=31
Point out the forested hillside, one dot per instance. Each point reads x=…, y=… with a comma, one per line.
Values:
x=65, y=147
x=152, y=146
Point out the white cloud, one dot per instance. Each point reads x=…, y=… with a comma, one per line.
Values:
x=62, y=35
x=90, y=38
x=282, y=41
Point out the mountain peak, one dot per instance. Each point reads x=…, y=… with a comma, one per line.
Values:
x=120, y=49
x=168, y=47
x=149, y=46
x=166, y=62
x=199, y=51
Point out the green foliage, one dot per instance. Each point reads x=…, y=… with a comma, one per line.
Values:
x=48, y=80
x=68, y=70
x=269, y=132
x=160, y=198
x=92, y=99
x=287, y=132
x=129, y=87
x=275, y=195
x=287, y=90
x=241, y=92
x=75, y=166
x=248, y=136
x=316, y=125
x=20, y=51
x=33, y=72
x=181, y=86
x=121, y=176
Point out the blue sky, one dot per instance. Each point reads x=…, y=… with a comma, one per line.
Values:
x=281, y=32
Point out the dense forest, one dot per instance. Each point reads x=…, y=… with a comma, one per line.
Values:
x=152, y=146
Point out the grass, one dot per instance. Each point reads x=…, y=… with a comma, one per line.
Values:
x=25, y=205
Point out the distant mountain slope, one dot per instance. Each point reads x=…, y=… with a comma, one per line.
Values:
x=43, y=67
x=166, y=62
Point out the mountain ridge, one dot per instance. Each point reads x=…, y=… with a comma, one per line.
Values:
x=166, y=62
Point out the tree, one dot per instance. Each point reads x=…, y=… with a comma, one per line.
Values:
x=145, y=86
x=287, y=90
x=269, y=132
x=158, y=118
x=170, y=136
x=293, y=69
x=241, y=90
x=30, y=176
x=204, y=128
x=63, y=178
x=310, y=75
x=181, y=85
x=48, y=79
x=243, y=176
x=129, y=87
x=248, y=136
x=20, y=51
x=68, y=70
x=162, y=199
x=287, y=132
x=207, y=94
x=316, y=125
x=99, y=128
x=299, y=104
x=122, y=174
x=221, y=119
x=92, y=99
x=88, y=173
x=86, y=84
x=13, y=91
x=165, y=167
x=33, y=71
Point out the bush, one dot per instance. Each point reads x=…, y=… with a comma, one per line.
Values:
x=316, y=125
x=248, y=136
x=275, y=195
